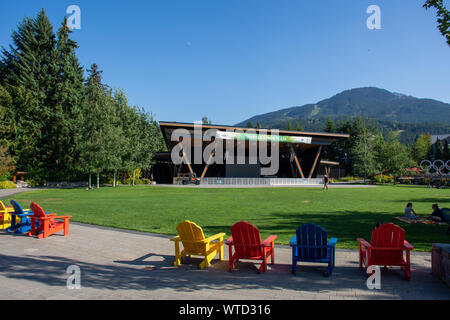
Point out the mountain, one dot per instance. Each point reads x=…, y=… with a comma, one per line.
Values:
x=390, y=110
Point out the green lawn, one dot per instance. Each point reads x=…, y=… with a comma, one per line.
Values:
x=345, y=213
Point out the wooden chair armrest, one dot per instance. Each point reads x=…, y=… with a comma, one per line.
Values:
x=229, y=241
x=364, y=243
x=61, y=217
x=332, y=242
x=269, y=240
x=408, y=246
x=293, y=241
x=22, y=214
x=178, y=239
x=42, y=218
x=214, y=237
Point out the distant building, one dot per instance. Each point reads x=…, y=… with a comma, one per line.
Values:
x=299, y=154
x=441, y=137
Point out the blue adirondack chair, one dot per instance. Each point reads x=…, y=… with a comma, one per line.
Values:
x=20, y=221
x=310, y=245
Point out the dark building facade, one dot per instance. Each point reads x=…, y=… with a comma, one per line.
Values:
x=298, y=153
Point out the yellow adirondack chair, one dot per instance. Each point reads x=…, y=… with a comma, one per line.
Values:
x=195, y=243
x=5, y=216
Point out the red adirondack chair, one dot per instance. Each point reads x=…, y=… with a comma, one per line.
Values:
x=44, y=225
x=386, y=249
x=247, y=244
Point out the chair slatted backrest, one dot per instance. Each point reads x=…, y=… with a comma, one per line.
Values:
x=2, y=209
x=246, y=239
x=189, y=232
x=311, y=242
x=37, y=210
x=389, y=236
x=17, y=208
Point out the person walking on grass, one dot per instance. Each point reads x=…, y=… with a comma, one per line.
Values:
x=326, y=180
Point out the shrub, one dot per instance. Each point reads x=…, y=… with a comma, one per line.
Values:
x=347, y=179
x=137, y=179
x=382, y=178
x=35, y=183
x=111, y=182
x=7, y=185
x=407, y=180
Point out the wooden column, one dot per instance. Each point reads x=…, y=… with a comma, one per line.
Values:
x=315, y=162
x=294, y=173
x=297, y=162
x=207, y=165
x=185, y=160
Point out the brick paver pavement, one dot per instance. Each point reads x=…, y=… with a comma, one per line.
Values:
x=117, y=264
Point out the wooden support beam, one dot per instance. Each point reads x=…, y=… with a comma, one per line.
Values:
x=297, y=162
x=207, y=164
x=294, y=173
x=185, y=160
x=315, y=162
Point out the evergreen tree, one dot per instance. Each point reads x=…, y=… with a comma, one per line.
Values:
x=94, y=115
x=131, y=130
x=329, y=125
x=67, y=103
x=364, y=154
x=205, y=120
x=438, y=150
x=28, y=69
x=289, y=126
x=446, y=151
x=113, y=137
x=396, y=156
x=7, y=123
x=54, y=123
x=421, y=148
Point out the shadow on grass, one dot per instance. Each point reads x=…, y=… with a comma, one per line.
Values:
x=345, y=225
x=430, y=200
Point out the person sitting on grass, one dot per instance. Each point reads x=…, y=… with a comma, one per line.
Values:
x=410, y=214
x=436, y=215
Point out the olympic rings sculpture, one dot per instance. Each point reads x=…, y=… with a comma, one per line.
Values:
x=436, y=167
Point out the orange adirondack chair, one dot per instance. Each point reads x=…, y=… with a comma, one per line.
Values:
x=386, y=249
x=44, y=225
x=247, y=244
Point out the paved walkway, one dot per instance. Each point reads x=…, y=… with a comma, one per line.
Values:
x=8, y=192
x=118, y=264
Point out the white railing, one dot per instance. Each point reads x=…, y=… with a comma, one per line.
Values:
x=261, y=181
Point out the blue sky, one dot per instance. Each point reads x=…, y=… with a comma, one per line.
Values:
x=232, y=59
